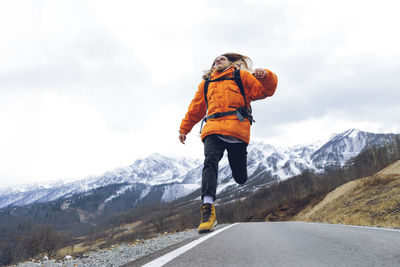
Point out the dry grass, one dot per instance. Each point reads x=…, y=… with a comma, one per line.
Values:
x=372, y=201
x=80, y=248
x=71, y=250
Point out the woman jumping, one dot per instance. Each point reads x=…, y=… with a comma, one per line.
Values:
x=224, y=96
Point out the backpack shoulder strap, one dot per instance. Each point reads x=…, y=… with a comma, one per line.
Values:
x=206, y=83
x=238, y=80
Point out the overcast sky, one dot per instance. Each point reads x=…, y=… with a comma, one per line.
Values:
x=88, y=86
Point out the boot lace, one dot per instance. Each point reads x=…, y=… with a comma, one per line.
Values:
x=206, y=212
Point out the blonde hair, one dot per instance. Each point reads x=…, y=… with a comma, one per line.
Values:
x=236, y=60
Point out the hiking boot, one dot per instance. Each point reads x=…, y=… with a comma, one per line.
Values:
x=208, y=218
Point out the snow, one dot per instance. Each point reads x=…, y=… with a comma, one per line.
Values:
x=118, y=193
x=222, y=187
x=182, y=175
x=144, y=192
x=178, y=190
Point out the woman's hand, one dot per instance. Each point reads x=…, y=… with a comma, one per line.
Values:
x=182, y=138
x=260, y=73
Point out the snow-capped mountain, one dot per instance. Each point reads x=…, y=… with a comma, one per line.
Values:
x=153, y=170
x=165, y=179
x=344, y=146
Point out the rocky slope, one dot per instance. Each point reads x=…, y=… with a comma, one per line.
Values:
x=372, y=201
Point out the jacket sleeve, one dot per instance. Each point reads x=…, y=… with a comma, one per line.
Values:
x=259, y=88
x=197, y=110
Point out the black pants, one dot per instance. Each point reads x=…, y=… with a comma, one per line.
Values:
x=214, y=149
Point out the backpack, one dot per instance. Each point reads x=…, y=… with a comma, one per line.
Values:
x=241, y=113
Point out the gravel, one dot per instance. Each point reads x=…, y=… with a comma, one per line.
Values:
x=117, y=255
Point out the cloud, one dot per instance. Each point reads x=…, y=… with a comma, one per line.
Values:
x=110, y=82
x=361, y=91
x=90, y=60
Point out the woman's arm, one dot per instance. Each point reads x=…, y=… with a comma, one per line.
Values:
x=259, y=85
x=197, y=110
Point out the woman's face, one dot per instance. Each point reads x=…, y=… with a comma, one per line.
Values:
x=221, y=63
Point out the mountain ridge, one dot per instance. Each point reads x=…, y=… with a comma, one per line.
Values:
x=165, y=179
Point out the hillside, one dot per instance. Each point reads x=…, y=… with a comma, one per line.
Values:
x=158, y=178
x=372, y=201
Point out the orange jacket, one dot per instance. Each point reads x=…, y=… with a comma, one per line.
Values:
x=225, y=96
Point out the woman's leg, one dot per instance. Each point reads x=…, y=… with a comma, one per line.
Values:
x=213, y=151
x=237, y=156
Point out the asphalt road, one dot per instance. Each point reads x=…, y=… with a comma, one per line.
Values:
x=291, y=244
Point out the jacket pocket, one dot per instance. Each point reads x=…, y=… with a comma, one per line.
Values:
x=212, y=99
x=234, y=98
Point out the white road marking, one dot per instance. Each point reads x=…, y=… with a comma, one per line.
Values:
x=173, y=254
x=355, y=226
